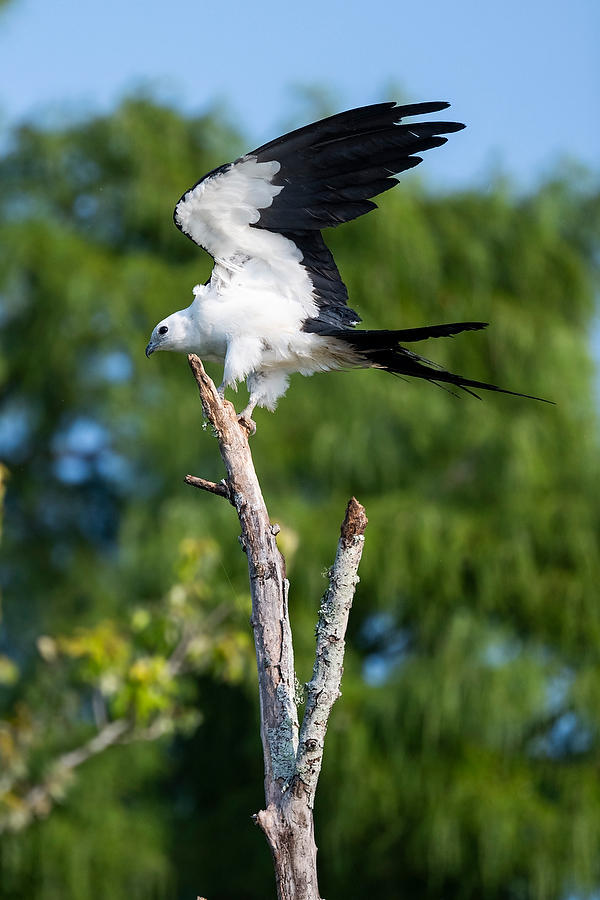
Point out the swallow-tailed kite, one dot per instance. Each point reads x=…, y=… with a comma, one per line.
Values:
x=275, y=303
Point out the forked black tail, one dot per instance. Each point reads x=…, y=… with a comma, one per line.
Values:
x=383, y=350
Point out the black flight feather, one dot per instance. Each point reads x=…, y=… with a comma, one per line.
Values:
x=385, y=337
x=331, y=169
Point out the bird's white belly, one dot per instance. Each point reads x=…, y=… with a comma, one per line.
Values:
x=242, y=313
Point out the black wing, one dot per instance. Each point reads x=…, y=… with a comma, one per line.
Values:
x=330, y=170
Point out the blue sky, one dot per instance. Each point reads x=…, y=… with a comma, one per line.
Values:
x=523, y=74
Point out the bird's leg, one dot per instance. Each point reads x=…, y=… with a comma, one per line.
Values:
x=241, y=356
x=221, y=390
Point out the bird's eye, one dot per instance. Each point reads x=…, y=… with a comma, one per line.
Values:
x=163, y=329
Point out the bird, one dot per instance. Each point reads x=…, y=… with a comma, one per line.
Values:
x=275, y=303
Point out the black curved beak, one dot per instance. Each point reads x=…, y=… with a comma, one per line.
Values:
x=150, y=348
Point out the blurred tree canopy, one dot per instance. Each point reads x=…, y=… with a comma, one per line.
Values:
x=462, y=760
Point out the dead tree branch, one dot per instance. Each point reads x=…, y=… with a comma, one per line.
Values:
x=292, y=759
x=324, y=686
x=221, y=488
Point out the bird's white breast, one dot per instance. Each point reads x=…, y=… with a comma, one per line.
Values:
x=253, y=298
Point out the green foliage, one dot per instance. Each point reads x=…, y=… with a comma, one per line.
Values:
x=462, y=760
x=135, y=674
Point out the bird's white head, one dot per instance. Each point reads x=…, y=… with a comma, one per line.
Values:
x=173, y=333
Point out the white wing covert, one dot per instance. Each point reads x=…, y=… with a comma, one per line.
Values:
x=217, y=212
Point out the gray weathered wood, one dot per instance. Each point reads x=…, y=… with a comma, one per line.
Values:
x=292, y=760
x=324, y=686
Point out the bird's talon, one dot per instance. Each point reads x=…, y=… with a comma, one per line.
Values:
x=247, y=423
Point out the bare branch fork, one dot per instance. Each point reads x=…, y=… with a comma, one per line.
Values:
x=292, y=754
